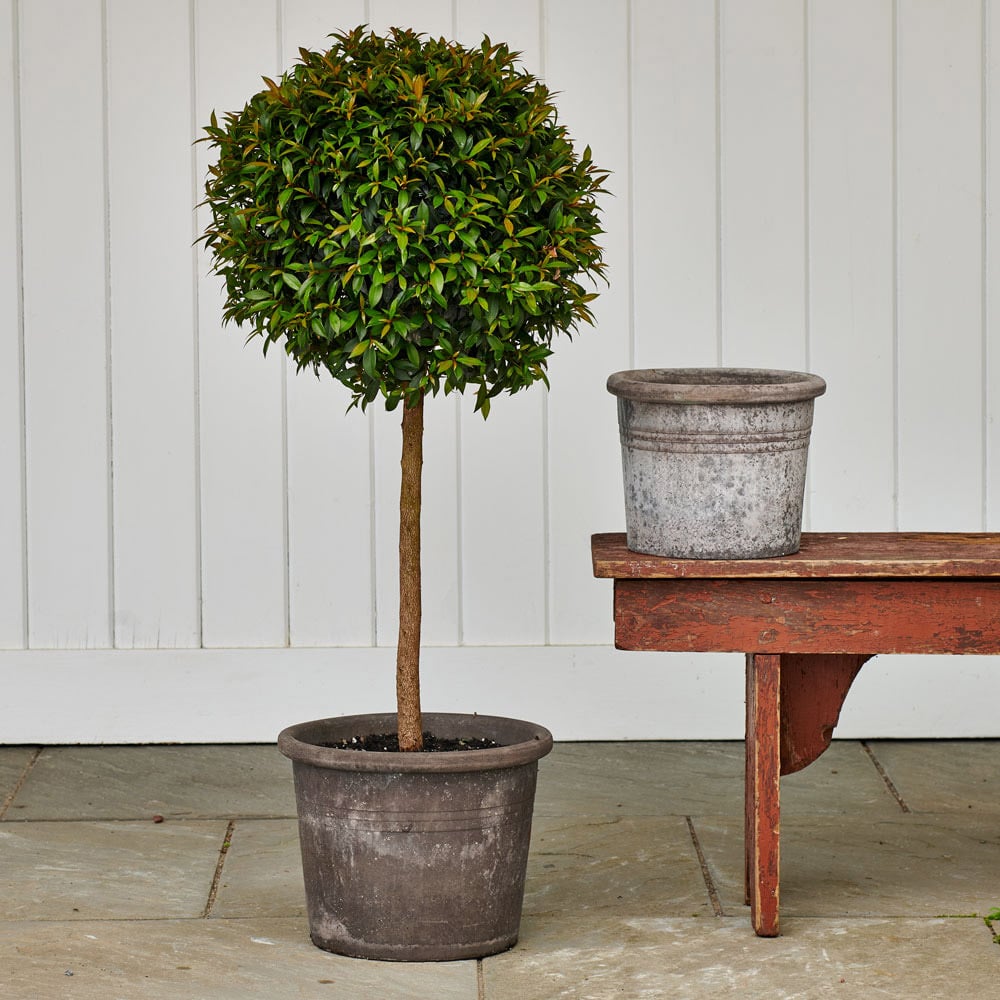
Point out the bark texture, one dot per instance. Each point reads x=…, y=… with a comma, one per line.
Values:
x=408, y=644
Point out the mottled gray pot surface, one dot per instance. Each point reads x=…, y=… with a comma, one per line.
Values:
x=714, y=459
x=415, y=856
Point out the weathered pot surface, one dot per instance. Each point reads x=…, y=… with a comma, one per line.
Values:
x=714, y=459
x=415, y=856
x=715, y=385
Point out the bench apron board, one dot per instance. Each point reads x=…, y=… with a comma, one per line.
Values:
x=806, y=624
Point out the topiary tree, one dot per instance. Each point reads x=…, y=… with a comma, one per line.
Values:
x=409, y=216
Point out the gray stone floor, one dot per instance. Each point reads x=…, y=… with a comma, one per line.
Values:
x=891, y=865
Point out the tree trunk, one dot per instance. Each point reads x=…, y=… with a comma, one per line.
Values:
x=408, y=645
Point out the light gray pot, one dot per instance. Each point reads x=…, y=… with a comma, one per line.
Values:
x=714, y=459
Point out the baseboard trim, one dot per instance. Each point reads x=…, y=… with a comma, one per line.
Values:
x=579, y=692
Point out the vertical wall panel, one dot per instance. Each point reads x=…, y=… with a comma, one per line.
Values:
x=12, y=591
x=440, y=563
x=241, y=407
x=152, y=326
x=309, y=23
x=516, y=22
x=940, y=265
x=432, y=17
x=329, y=470
x=65, y=323
x=585, y=492
x=851, y=279
x=674, y=219
x=763, y=184
x=503, y=458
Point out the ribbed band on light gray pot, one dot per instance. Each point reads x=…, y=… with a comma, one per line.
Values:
x=714, y=459
x=415, y=856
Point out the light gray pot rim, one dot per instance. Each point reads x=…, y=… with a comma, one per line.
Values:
x=531, y=742
x=702, y=386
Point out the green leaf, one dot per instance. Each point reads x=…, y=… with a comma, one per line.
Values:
x=368, y=360
x=347, y=197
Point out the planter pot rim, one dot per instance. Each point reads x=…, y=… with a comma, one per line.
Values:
x=702, y=386
x=525, y=742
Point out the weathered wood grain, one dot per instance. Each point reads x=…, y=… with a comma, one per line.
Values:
x=813, y=689
x=763, y=804
x=825, y=555
x=808, y=615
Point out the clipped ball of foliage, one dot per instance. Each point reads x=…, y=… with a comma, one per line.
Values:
x=407, y=214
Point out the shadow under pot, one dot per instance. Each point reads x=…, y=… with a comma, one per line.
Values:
x=714, y=459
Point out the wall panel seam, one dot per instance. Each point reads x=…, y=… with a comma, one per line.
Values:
x=719, y=318
x=806, y=189
x=196, y=327
x=630, y=160
x=459, y=483
x=108, y=353
x=459, y=534
x=546, y=455
x=895, y=265
x=279, y=42
x=806, y=229
x=985, y=413
x=372, y=530
x=19, y=306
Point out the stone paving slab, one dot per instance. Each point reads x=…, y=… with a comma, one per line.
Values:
x=681, y=779
x=853, y=867
x=205, y=960
x=13, y=761
x=943, y=775
x=262, y=875
x=640, y=866
x=720, y=957
x=843, y=781
x=191, y=782
x=640, y=779
x=60, y=871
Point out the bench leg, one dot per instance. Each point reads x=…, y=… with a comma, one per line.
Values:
x=763, y=808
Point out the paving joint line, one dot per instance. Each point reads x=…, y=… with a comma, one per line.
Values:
x=480, y=980
x=713, y=893
x=220, y=864
x=883, y=774
x=19, y=784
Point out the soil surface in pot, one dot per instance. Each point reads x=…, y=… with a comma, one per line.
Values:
x=389, y=742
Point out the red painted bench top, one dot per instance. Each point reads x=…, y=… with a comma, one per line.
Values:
x=822, y=554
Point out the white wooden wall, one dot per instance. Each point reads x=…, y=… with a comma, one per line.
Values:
x=195, y=544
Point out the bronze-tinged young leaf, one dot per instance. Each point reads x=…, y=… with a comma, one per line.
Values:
x=407, y=214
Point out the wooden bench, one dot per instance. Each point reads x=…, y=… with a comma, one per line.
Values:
x=807, y=623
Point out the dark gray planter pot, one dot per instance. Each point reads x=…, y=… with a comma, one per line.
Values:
x=714, y=459
x=415, y=856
